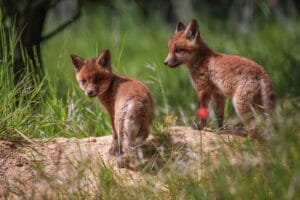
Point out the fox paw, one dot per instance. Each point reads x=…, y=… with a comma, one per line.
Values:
x=197, y=125
x=123, y=162
x=115, y=151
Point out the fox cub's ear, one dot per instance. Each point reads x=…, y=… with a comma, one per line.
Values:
x=180, y=26
x=192, y=31
x=77, y=62
x=104, y=59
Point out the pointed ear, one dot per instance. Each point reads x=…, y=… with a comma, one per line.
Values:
x=77, y=62
x=104, y=59
x=192, y=31
x=180, y=26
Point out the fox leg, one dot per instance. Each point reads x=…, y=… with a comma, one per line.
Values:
x=243, y=104
x=219, y=102
x=203, y=99
x=116, y=145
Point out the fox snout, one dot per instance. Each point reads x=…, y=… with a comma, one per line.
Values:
x=91, y=93
x=171, y=61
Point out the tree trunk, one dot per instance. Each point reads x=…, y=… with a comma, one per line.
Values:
x=30, y=25
x=27, y=17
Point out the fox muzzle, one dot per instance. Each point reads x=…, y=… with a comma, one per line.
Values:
x=91, y=93
x=172, y=62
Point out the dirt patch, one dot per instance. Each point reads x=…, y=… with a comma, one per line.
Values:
x=46, y=165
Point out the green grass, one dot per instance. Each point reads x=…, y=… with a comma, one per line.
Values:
x=139, y=48
x=57, y=107
x=40, y=112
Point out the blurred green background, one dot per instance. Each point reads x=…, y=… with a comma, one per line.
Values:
x=137, y=32
x=138, y=42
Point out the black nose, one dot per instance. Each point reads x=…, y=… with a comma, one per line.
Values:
x=89, y=92
x=166, y=62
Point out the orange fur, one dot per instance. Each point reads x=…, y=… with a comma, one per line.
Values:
x=127, y=101
x=216, y=76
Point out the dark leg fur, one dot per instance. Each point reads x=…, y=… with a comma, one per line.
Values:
x=219, y=103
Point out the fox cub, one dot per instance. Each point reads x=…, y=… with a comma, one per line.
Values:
x=127, y=101
x=216, y=75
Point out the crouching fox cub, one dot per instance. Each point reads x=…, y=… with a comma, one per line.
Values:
x=127, y=101
x=215, y=75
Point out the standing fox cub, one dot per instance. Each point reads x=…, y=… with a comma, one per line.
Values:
x=127, y=101
x=217, y=76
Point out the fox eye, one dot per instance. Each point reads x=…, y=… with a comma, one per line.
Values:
x=179, y=50
x=83, y=81
x=97, y=79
